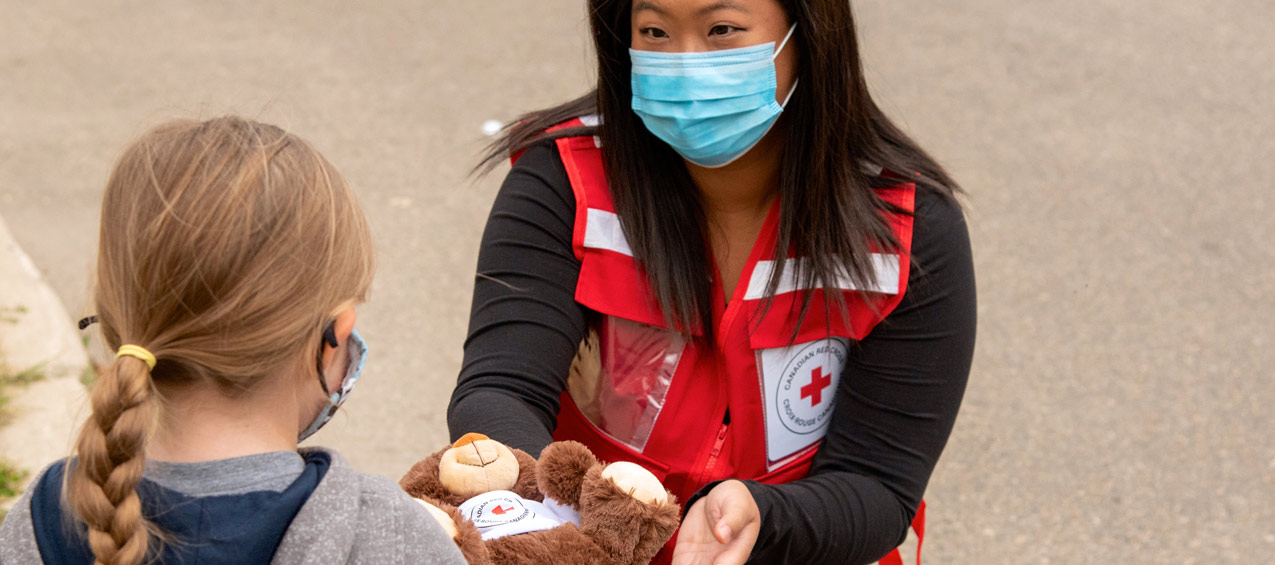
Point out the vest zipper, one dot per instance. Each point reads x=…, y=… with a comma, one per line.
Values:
x=717, y=449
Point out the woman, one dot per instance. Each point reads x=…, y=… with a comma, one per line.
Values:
x=727, y=265
x=231, y=259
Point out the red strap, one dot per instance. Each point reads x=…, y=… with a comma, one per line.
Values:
x=918, y=526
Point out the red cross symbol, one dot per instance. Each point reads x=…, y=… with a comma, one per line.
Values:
x=818, y=381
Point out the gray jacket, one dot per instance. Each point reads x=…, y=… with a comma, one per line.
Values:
x=350, y=517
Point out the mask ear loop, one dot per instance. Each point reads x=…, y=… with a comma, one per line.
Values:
x=783, y=44
x=329, y=339
x=790, y=91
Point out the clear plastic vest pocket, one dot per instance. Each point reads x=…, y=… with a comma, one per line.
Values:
x=621, y=377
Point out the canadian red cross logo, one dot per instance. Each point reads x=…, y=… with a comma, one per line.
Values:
x=498, y=510
x=818, y=381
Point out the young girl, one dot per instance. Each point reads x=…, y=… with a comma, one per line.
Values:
x=231, y=257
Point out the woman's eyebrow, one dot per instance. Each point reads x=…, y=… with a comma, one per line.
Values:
x=719, y=5
x=644, y=5
x=722, y=5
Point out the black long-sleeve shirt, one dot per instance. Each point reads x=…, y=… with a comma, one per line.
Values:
x=895, y=408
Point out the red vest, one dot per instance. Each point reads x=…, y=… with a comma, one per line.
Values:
x=648, y=396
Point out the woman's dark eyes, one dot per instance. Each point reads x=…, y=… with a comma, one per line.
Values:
x=717, y=30
x=653, y=32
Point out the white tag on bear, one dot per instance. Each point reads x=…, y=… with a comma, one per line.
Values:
x=502, y=513
x=799, y=389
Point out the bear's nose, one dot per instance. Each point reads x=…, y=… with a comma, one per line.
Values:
x=469, y=438
x=478, y=453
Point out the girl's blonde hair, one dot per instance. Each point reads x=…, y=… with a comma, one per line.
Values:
x=225, y=247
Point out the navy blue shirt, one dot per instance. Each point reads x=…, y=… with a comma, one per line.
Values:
x=234, y=528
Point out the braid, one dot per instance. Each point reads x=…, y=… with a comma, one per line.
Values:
x=102, y=489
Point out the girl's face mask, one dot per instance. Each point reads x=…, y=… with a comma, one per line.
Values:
x=711, y=107
x=357, y=357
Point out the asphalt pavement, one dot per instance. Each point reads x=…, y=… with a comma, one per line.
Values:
x=1117, y=157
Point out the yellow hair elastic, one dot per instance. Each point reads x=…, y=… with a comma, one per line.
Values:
x=138, y=352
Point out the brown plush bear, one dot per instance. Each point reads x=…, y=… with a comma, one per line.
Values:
x=502, y=506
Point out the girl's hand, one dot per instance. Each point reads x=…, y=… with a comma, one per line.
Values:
x=720, y=529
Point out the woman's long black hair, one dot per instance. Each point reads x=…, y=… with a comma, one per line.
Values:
x=829, y=211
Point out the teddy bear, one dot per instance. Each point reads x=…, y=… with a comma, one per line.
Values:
x=501, y=506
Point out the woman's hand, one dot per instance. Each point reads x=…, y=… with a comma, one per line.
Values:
x=719, y=529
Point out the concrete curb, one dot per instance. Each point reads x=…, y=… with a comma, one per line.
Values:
x=36, y=332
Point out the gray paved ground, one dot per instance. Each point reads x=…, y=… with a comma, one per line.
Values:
x=1118, y=156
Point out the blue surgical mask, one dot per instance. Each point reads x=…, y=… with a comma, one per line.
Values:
x=711, y=107
x=357, y=357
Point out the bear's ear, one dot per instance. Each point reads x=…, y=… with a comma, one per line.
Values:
x=561, y=471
